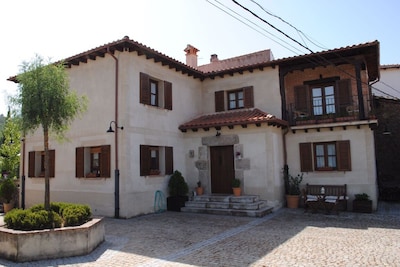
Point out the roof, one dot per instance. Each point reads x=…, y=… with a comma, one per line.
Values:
x=392, y=66
x=263, y=56
x=250, y=62
x=230, y=119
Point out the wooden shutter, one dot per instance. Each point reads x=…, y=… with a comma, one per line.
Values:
x=52, y=163
x=248, y=97
x=31, y=164
x=306, y=160
x=105, y=162
x=344, y=95
x=301, y=98
x=219, y=101
x=167, y=95
x=144, y=160
x=169, y=160
x=80, y=162
x=144, y=88
x=343, y=155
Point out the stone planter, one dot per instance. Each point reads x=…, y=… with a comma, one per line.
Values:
x=22, y=246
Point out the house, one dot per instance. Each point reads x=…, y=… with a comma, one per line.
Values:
x=245, y=117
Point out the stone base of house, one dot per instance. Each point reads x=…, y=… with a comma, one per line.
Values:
x=22, y=246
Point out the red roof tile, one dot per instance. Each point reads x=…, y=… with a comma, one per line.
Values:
x=232, y=118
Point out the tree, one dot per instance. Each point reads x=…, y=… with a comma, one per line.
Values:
x=46, y=100
x=10, y=146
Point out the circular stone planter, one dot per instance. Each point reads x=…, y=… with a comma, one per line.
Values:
x=22, y=246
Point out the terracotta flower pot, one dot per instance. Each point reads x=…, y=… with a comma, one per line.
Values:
x=7, y=207
x=292, y=201
x=237, y=191
x=199, y=191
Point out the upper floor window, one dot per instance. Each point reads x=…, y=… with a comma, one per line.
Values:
x=325, y=156
x=323, y=100
x=155, y=92
x=36, y=163
x=236, y=99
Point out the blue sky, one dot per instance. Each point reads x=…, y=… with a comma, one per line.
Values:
x=60, y=29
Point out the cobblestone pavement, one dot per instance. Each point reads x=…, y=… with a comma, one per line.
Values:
x=283, y=238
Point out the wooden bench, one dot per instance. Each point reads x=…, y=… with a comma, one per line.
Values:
x=326, y=197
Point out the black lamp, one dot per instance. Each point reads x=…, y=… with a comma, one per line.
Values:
x=110, y=130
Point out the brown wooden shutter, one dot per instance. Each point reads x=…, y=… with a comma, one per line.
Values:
x=169, y=160
x=52, y=163
x=301, y=98
x=343, y=155
x=306, y=161
x=144, y=160
x=219, y=101
x=248, y=97
x=105, y=161
x=167, y=95
x=80, y=162
x=344, y=95
x=144, y=88
x=31, y=164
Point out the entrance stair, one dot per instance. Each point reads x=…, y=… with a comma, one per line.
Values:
x=247, y=205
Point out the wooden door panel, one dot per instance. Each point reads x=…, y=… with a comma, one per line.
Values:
x=222, y=169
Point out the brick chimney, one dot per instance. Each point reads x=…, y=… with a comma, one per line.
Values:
x=214, y=58
x=191, y=55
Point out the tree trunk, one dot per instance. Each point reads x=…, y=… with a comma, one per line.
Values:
x=46, y=170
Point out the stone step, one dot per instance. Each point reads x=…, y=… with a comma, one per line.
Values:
x=227, y=205
x=233, y=212
x=227, y=198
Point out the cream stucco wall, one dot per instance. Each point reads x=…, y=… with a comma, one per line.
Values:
x=361, y=178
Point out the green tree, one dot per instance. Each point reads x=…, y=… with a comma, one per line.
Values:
x=10, y=146
x=46, y=100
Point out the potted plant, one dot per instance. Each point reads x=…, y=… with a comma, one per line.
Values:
x=178, y=190
x=362, y=203
x=199, y=189
x=8, y=189
x=236, y=187
x=293, y=190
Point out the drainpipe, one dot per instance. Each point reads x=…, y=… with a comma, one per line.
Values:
x=116, y=171
x=23, y=175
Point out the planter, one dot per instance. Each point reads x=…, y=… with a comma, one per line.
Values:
x=175, y=203
x=363, y=206
x=292, y=201
x=7, y=207
x=237, y=191
x=199, y=191
x=22, y=246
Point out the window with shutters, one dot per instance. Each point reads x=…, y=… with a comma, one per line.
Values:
x=92, y=162
x=331, y=96
x=156, y=160
x=155, y=92
x=325, y=156
x=36, y=163
x=236, y=99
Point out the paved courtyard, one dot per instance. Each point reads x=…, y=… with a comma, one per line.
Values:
x=283, y=238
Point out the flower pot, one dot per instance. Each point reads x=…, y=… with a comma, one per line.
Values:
x=7, y=207
x=292, y=201
x=237, y=191
x=199, y=191
x=364, y=206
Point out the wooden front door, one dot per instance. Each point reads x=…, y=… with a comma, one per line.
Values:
x=222, y=169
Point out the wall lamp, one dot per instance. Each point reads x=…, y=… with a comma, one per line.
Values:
x=218, y=134
x=110, y=130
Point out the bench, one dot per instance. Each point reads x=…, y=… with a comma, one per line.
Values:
x=326, y=197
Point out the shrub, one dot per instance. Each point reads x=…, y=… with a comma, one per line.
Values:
x=37, y=218
x=177, y=185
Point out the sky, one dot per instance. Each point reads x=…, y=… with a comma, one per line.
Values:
x=63, y=28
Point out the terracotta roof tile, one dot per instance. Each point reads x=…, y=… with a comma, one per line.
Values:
x=232, y=118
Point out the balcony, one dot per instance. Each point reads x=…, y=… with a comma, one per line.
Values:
x=328, y=112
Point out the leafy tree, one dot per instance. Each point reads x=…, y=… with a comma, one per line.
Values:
x=46, y=100
x=10, y=146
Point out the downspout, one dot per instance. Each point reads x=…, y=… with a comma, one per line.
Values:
x=116, y=172
x=23, y=175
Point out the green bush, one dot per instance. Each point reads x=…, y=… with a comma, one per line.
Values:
x=177, y=185
x=37, y=218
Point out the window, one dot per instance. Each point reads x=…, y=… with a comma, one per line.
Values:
x=236, y=99
x=93, y=162
x=325, y=156
x=323, y=97
x=155, y=92
x=156, y=160
x=36, y=163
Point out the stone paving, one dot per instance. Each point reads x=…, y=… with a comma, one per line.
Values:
x=283, y=238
